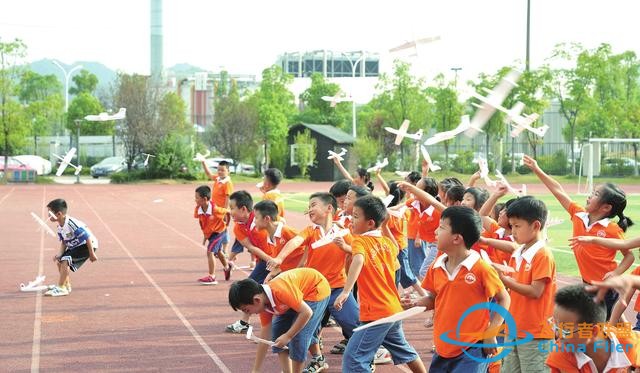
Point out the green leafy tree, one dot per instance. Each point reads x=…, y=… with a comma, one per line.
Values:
x=366, y=150
x=82, y=105
x=317, y=110
x=172, y=115
x=85, y=82
x=44, y=103
x=305, y=154
x=447, y=110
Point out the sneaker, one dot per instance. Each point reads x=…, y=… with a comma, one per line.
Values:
x=208, y=280
x=339, y=348
x=57, y=292
x=383, y=356
x=237, y=327
x=331, y=322
x=227, y=272
x=317, y=364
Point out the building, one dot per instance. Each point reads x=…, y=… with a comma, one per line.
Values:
x=156, y=55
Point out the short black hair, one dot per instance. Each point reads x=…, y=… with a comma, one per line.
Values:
x=204, y=191
x=326, y=198
x=464, y=221
x=430, y=186
x=413, y=177
x=577, y=299
x=497, y=208
x=273, y=175
x=373, y=208
x=223, y=163
x=340, y=188
x=58, y=205
x=479, y=194
x=448, y=182
x=360, y=191
x=455, y=193
x=267, y=208
x=528, y=208
x=396, y=192
x=366, y=177
x=243, y=199
x=242, y=292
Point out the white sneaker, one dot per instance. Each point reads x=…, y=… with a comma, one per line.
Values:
x=237, y=327
x=383, y=356
x=57, y=292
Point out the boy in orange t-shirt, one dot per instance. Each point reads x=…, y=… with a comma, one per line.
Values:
x=457, y=281
x=270, y=181
x=290, y=307
x=373, y=264
x=220, y=191
x=212, y=222
x=532, y=285
x=266, y=218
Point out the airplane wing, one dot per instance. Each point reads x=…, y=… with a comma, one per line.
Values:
x=379, y=166
x=425, y=155
x=121, y=114
x=392, y=130
x=427, y=40
x=493, y=101
x=415, y=136
x=402, y=46
x=329, y=238
x=334, y=155
x=65, y=161
x=439, y=137
x=201, y=157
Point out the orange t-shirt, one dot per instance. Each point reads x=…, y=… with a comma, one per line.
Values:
x=427, y=221
x=636, y=307
x=531, y=315
x=567, y=362
x=500, y=256
x=328, y=259
x=377, y=292
x=222, y=188
x=396, y=226
x=211, y=220
x=487, y=233
x=275, y=196
x=472, y=282
x=343, y=220
x=413, y=225
x=289, y=289
x=257, y=237
x=593, y=261
x=281, y=236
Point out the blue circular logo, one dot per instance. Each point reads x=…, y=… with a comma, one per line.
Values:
x=511, y=336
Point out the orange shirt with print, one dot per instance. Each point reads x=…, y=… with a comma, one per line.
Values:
x=532, y=314
x=257, y=237
x=291, y=288
x=275, y=196
x=413, y=224
x=212, y=220
x=283, y=235
x=396, y=226
x=594, y=261
x=472, y=282
x=566, y=361
x=488, y=233
x=328, y=259
x=221, y=190
x=377, y=292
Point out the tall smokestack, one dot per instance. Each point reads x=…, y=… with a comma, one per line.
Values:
x=156, y=39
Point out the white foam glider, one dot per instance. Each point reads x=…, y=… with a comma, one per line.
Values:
x=146, y=160
x=491, y=102
x=403, y=174
x=379, y=166
x=401, y=132
x=338, y=98
x=201, y=157
x=519, y=193
x=522, y=122
x=338, y=156
x=425, y=155
x=43, y=225
x=484, y=172
x=35, y=285
x=504, y=268
x=465, y=125
x=398, y=213
x=328, y=238
x=252, y=337
x=103, y=117
x=66, y=161
x=393, y=318
x=414, y=44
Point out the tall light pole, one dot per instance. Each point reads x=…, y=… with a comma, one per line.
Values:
x=78, y=121
x=455, y=79
x=353, y=101
x=67, y=76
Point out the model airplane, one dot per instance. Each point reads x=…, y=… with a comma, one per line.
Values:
x=401, y=132
x=398, y=213
x=35, y=285
x=201, y=157
x=329, y=237
x=493, y=99
x=523, y=122
x=66, y=161
x=252, y=337
x=414, y=44
x=464, y=126
x=519, y=193
x=338, y=156
x=403, y=174
x=484, y=172
x=425, y=155
x=379, y=166
x=504, y=268
x=103, y=117
x=43, y=225
x=338, y=98
x=146, y=160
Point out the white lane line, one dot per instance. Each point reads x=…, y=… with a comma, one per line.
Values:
x=7, y=195
x=37, y=322
x=164, y=295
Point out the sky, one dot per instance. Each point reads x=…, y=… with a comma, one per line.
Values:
x=245, y=37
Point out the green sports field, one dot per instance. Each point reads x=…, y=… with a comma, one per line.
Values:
x=558, y=234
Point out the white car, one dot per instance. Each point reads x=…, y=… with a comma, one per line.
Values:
x=41, y=165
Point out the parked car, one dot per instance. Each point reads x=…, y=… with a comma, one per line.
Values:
x=243, y=168
x=108, y=166
x=41, y=165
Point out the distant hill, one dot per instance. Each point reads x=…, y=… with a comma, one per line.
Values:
x=182, y=69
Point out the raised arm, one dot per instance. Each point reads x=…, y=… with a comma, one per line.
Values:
x=609, y=243
x=421, y=195
x=554, y=187
x=488, y=205
x=383, y=183
x=502, y=245
x=207, y=171
x=288, y=248
x=343, y=170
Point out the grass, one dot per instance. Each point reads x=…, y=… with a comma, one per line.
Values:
x=558, y=235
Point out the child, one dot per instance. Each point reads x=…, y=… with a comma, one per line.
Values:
x=594, y=262
x=266, y=218
x=339, y=191
x=270, y=181
x=290, y=307
x=456, y=281
x=354, y=192
x=77, y=244
x=533, y=285
x=584, y=345
x=373, y=265
x=501, y=241
x=220, y=192
x=212, y=222
x=360, y=178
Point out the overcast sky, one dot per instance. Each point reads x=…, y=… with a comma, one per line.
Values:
x=247, y=36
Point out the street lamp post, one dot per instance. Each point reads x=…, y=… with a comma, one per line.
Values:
x=78, y=121
x=455, y=80
x=67, y=76
x=353, y=102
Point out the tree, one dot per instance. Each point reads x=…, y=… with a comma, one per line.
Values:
x=44, y=103
x=447, y=110
x=172, y=115
x=85, y=82
x=82, y=105
x=317, y=110
x=11, y=116
x=305, y=154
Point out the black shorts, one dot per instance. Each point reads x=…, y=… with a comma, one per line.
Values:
x=76, y=257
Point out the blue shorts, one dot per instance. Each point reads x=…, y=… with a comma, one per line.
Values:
x=260, y=272
x=404, y=274
x=363, y=345
x=460, y=363
x=347, y=317
x=215, y=242
x=416, y=255
x=225, y=239
x=431, y=254
x=237, y=247
x=299, y=344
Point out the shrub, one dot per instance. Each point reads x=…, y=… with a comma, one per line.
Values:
x=367, y=150
x=463, y=163
x=554, y=164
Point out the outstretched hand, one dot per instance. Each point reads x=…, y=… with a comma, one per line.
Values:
x=531, y=163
